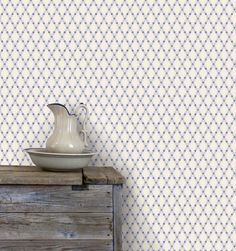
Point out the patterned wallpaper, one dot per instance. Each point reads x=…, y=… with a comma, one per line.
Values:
x=158, y=79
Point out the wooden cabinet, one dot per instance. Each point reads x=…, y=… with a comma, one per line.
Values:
x=60, y=211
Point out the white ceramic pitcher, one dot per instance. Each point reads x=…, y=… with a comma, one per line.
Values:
x=65, y=137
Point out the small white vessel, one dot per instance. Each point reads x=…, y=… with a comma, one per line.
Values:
x=65, y=137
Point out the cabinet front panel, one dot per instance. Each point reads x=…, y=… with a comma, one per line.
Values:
x=57, y=245
x=21, y=198
x=39, y=226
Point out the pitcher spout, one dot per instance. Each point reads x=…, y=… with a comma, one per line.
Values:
x=58, y=108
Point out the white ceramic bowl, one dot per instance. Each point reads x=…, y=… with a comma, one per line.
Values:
x=59, y=161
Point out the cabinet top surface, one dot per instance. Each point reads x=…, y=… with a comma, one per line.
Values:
x=32, y=175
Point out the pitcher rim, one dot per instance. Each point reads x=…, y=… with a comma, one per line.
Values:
x=62, y=106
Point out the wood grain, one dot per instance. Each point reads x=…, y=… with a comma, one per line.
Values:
x=40, y=226
x=94, y=175
x=56, y=245
x=42, y=210
x=113, y=176
x=33, y=175
x=20, y=198
x=117, y=218
x=17, y=168
x=40, y=178
x=102, y=175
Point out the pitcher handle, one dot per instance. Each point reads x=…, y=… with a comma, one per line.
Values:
x=83, y=131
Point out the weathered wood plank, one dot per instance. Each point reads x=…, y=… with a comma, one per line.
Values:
x=57, y=245
x=40, y=226
x=102, y=175
x=94, y=175
x=34, y=175
x=17, y=168
x=117, y=217
x=40, y=178
x=37, y=206
x=20, y=198
x=113, y=176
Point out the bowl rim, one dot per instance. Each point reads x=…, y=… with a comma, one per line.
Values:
x=42, y=151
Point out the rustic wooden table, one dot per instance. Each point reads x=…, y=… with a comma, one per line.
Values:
x=56, y=211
